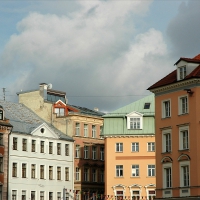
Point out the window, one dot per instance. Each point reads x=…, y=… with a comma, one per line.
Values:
x=119, y=170
x=101, y=153
x=93, y=131
x=14, y=143
x=66, y=195
x=50, y=172
x=33, y=145
x=14, y=170
x=50, y=147
x=135, y=194
x=183, y=105
x=183, y=138
x=166, y=139
x=33, y=171
x=14, y=194
x=135, y=170
x=147, y=105
x=119, y=147
x=23, y=194
x=134, y=123
x=85, y=130
x=94, y=175
x=77, y=151
x=41, y=171
x=58, y=173
x=151, y=194
x=119, y=195
x=166, y=109
x=151, y=146
x=77, y=176
x=77, y=196
x=50, y=195
x=58, y=148
x=101, y=175
x=58, y=195
x=77, y=129
x=1, y=114
x=41, y=146
x=94, y=153
x=1, y=139
x=41, y=195
x=33, y=195
x=101, y=130
x=167, y=176
x=24, y=144
x=86, y=174
x=182, y=72
x=151, y=170
x=1, y=164
x=23, y=170
x=86, y=152
x=66, y=173
x=135, y=147
x=66, y=149
x=60, y=112
x=184, y=174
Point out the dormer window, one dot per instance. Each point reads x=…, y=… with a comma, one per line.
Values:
x=60, y=112
x=147, y=105
x=134, y=121
x=182, y=72
x=1, y=114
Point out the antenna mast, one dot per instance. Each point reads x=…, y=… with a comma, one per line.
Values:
x=4, y=94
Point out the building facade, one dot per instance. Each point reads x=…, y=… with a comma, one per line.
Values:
x=130, y=151
x=5, y=130
x=177, y=98
x=84, y=126
x=40, y=157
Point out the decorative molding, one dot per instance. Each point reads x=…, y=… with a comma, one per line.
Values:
x=166, y=127
x=185, y=124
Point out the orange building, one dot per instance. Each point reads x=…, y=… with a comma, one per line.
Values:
x=130, y=151
x=177, y=112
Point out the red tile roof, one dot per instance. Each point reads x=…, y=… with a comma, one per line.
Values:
x=196, y=59
x=172, y=78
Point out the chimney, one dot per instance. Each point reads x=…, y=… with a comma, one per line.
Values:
x=43, y=90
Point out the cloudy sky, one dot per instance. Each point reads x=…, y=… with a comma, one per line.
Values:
x=102, y=53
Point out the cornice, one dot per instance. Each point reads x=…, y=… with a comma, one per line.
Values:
x=176, y=85
x=128, y=136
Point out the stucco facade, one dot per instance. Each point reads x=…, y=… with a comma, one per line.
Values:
x=130, y=151
x=177, y=98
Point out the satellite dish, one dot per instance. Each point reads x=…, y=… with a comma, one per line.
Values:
x=49, y=86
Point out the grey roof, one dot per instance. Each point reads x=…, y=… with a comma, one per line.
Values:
x=87, y=111
x=24, y=120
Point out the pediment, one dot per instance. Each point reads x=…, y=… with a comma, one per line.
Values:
x=60, y=103
x=44, y=131
x=134, y=114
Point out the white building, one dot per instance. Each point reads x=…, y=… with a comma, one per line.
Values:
x=40, y=157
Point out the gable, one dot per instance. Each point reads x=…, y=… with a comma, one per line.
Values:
x=59, y=103
x=134, y=114
x=44, y=131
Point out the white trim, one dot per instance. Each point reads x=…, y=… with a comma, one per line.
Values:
x=134, y=115
x=164, y=133
x=163, y=114
x=181, y=129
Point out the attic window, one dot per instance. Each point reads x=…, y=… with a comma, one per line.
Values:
x=182, y=72
x=147, y=105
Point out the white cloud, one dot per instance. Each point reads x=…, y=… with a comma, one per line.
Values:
x=90, y=52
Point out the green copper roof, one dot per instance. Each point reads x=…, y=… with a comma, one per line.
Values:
x=136, y=106
x=115, y=123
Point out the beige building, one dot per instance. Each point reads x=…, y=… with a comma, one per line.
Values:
x=84, y=125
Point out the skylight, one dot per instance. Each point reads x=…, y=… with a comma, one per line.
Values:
x=147, y=105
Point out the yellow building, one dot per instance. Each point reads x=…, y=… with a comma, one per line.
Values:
x=130, y=151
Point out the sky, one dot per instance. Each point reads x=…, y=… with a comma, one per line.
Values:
x=102, y=53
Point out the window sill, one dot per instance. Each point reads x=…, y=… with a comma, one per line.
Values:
x=134, y=151
x=166, y=117
x=135, y=177
x=181, y=150
x=182, y=114
x=119, y=177
x=167, y=152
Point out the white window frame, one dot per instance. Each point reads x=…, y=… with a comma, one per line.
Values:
x=119, y=171
x=181, y=165
x=119, y=147
x=183, y=107
x=167, y=166
x=166, y=110
x=77, y=129
x=101, y=153
x=86, y=174
x=182, y=72
x=135, y=170
x=132, y=124
x=77, y=177
x=151, y=170
x=85, y=130
x=77, y=151
x=60, y=112
x=86, y=152
x=94, y=131
x=166, y=146
x=135, y=147
x=151, y=146
x=136, y=196
x=184, y=130
x=94, y=152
